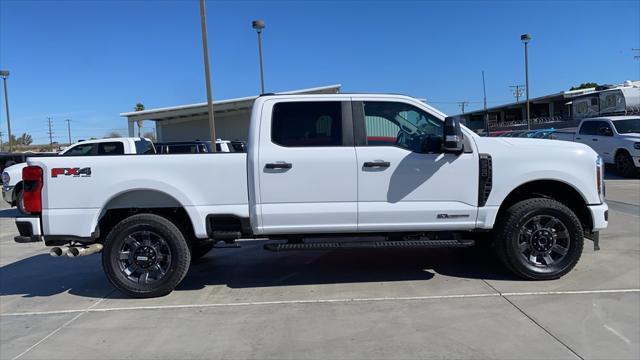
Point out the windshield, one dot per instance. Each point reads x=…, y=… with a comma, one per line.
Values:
x=627, y=126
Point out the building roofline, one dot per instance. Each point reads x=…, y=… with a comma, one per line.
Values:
x=228, y=101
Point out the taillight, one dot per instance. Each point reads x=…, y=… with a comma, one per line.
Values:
x=32, y=189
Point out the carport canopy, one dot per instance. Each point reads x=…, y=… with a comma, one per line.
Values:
x=190, y=122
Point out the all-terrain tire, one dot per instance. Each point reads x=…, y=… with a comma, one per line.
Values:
x=175, y=243
x=508, y=238
x=624, y=164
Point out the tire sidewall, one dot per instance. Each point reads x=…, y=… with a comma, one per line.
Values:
x=20, y=202
x=177, y=246
x=517, y=218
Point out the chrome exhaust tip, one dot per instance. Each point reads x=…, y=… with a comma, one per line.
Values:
x=77, y=251
x=58, y=251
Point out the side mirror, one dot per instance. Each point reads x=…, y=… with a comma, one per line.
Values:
x=453, y=138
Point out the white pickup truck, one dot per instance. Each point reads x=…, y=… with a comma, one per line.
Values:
x=12, y=175
x=615, y=138
x=322, y=172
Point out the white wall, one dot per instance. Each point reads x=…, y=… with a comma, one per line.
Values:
x=228, y=127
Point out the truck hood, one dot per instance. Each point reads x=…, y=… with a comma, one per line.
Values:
x=15, y=173
x=535, y=143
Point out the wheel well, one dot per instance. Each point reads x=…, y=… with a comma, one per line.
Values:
x=177, y=215
x=621, y=150
x=16, y=190
x=551, y=189
x=144, y=201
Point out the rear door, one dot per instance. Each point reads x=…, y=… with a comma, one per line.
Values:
x=405, y=181
x=307, y=167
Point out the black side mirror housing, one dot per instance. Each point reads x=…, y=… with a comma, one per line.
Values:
x=453, y=138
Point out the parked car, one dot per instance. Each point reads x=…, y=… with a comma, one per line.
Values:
x=193, y=147
x=544, y=134
x=310, y=173
x=615, y=138
x=12, y=185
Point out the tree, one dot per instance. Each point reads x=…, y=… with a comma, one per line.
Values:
x=586, y=85
x=25, y=139
x=112, y=134
x=139, y=107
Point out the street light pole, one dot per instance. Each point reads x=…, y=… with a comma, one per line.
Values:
x=259, y=25
x=205, y=47
x=525, y=39
x=5, y=74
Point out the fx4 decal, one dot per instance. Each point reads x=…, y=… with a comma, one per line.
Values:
x=75, y=172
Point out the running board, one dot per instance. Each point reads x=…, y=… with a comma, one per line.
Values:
x=427, y=244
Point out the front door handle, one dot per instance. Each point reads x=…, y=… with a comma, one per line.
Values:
x=377, y=164
x=594, y=139
x=578, y=138
x=278, y=165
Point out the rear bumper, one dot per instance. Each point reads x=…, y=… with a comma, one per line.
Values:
x=599, y=216
x=29, y=230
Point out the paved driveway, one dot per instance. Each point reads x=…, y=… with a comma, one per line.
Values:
x=248, y=303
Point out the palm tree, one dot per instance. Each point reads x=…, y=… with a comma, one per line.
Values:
x=139, y=107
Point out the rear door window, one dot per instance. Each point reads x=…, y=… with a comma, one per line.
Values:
x=111, y=148
x=80, y=150
x=307, y=124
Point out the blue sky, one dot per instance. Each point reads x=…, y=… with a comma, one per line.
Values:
x=90, y=60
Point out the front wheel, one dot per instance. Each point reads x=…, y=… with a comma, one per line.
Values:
x=145, y=255
x=624, y=164
x=539, y=239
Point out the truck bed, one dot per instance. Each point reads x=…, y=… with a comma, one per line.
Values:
x=201, y=183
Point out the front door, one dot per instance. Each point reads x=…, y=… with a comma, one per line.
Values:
x=405, y=181
x=307, y=167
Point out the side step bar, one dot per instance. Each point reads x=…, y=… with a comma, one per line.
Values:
x=430, y=244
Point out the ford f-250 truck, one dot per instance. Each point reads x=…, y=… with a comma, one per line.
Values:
x=615, y=138
x=322, y=172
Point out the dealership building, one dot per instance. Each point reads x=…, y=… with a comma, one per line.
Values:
x=190, y=122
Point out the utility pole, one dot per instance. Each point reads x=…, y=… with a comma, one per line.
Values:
x=1, y=143
x=517, y=91
x=4, y=74
x=69, y=129
x=486, y=114
x=50, y=134
x=525, y=40
x=207, y=74
x=259, y=25
x=462, y=104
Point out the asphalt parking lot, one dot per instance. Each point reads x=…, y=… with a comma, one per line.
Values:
x=249, y=303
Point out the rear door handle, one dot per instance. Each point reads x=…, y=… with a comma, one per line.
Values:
x=278, y=165
x=377, y=164
x=578, y=138
x=594, y=139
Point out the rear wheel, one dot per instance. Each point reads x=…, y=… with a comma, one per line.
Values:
x=20, y=202
x=145, y=255
x=624, y=164
x=539, y=239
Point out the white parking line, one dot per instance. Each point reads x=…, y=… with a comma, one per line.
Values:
x=81, y=312
x=321, y=301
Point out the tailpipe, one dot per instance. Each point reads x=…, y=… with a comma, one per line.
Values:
x=76, y=251
x=58, y=251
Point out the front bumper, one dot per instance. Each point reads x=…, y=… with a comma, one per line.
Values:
x=7, y=193
x=29, y=230
x=599, y=216
x=636, y=161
